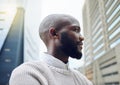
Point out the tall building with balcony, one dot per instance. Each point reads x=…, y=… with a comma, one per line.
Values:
x=101, y=24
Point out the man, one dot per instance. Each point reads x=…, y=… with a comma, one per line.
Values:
x=61, y=35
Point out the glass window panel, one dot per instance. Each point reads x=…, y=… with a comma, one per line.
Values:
x=98, y=48
x=97, y=34
x=98, y=40
x=114, y=23
x=114, y=33
x=115, y=43
x=113, y=14
x=99, y=55
x=111, y=7
x=108, y=2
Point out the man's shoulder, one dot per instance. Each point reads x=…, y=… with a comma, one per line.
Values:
x=31, y=66
x=33, y=72
x=81, y=76
x=77, y=72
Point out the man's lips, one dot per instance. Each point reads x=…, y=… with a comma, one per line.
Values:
x=80, y=44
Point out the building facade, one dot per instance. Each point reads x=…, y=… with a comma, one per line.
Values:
x=18, y=42
x=101, y=25
x=11, y=42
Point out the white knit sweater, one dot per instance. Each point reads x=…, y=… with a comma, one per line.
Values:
x=50, y=71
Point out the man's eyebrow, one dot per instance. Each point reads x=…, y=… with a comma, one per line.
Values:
x=76, y=27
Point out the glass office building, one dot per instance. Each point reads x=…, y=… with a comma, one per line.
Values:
x=18, y=42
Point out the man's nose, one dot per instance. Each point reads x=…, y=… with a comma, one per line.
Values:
x=81, y=38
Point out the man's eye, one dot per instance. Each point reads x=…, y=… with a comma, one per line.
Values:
x=77, y=30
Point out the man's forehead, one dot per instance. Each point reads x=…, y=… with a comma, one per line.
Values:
x=70, y=20
x=72, y=26
x=75, y=25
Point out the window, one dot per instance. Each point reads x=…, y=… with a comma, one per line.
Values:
x=115, y=43
x=98, y=48
x=108, y=11
x=112, y=83
x=7, y=49
x=106, y=66
x=107, y=60
x=1, y=29
x=97, y=41
x=114, y=23
x=108, y=2
x=98, y=26
x=117, y=31
x=110, y=74
x=96, y=21
x=114, y=13
x=2, y=19
x=97, y=34
x=99, y=55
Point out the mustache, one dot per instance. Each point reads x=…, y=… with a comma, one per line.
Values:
x=79, y=43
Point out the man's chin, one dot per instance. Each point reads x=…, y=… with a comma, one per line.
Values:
x=77, y=56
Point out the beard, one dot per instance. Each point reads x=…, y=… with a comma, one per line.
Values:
x=69, y=46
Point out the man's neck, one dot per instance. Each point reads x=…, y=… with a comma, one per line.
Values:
x=59, y=55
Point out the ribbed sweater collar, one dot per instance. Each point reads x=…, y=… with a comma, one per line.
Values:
x=52, y=61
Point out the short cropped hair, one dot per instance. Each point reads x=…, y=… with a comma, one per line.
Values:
x=54, y=20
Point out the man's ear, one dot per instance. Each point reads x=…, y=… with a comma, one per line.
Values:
x=53, y=32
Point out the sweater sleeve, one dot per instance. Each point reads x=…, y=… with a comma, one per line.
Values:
x=20, y=79
x=26, y=75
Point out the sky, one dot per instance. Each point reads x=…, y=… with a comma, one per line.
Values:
x=72, y=7
x=38, y=9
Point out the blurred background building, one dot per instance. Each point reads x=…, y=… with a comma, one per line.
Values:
x=101, y=24
x=16, y=37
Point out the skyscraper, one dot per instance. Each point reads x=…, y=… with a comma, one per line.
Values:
x=17, y=41
x=101, y=24
x=12, y=39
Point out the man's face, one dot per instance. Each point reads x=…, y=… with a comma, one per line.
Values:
x=71, y=41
